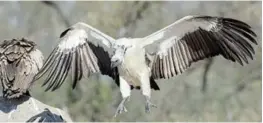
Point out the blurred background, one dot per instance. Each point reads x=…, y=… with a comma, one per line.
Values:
x=211, y=90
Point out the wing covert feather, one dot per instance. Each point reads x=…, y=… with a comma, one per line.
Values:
x=83, y=50
x=194, y=38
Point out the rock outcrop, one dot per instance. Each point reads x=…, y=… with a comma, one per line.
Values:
x=28, y=109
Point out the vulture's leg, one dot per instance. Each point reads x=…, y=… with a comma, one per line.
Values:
x=149, y=104
x=146, y=91
x=125, y=93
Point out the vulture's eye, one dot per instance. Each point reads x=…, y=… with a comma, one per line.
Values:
x=122, y=47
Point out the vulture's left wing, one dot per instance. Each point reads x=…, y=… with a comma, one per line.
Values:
x=194, y=38
x=83, y=50
x=19, y=63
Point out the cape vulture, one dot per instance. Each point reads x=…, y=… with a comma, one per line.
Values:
x=131, y=62
x=19, y=63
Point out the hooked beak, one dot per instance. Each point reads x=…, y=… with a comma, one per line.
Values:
x=115, y=63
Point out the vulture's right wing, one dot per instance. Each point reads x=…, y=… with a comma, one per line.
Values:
x=84, y=50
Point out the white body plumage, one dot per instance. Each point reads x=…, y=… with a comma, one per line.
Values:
x=134, y=70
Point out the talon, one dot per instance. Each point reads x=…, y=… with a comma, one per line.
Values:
x=125, y=110
x=121, y=108
x=149, y=105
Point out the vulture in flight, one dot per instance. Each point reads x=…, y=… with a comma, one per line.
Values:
x=19, y=63
x=139, y=62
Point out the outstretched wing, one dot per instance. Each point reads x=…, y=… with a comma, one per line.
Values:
x=194, y=38
x=19, y=63
x=83, y=50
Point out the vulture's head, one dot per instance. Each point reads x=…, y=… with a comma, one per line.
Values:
x=120, y=48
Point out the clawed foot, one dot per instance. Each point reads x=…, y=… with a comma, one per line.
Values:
x=149, y=105
x=121, y=108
